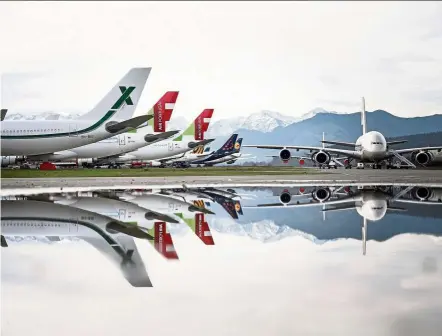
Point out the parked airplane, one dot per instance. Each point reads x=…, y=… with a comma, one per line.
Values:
x=111, y=116
x=370, y=147
x=111, y=237
x=104, y=151
x=182, y=160
x=229, y=152
x=192, y=137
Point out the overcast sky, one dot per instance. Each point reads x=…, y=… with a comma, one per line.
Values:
x=237, y=287
x=238, y=58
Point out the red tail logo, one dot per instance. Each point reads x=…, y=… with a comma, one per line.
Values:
x=163, y=242
x=163, y=110
x=202, y=123
x=202, y=229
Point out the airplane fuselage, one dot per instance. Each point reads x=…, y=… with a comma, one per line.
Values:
x=372, y=147
x=31, y=137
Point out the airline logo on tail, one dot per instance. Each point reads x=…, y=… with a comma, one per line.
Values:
x=163, y=242
x=125, y=97
x=230, y=143
x=198, y=127
x=202, y=123
x=202, y=229
x=162, y=111
x=198, y=150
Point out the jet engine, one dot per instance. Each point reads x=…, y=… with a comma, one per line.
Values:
x=285, y=155
x=285, y=197
x=427, y=194
x=8, y=160
x=321, y=157
x=321, y=194
x=423, y=157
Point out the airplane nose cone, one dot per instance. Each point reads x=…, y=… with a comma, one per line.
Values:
x=192, y=144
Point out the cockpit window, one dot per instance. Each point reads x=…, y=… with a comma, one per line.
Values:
x=376, y=143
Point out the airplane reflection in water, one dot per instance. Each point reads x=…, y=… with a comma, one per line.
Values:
x=109, y=220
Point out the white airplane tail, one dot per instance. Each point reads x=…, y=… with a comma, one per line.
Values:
x=363, y=117
x=121, y=101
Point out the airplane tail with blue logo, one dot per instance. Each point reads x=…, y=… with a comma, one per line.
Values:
x=229, y=145
x=121, y=101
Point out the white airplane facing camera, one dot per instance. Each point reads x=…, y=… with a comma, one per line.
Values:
x=111, y=116
x=370, y=147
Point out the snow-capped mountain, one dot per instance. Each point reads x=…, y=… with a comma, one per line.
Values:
x=47, y=115
x=264, y=121
x=265, y=231
x=38, y=239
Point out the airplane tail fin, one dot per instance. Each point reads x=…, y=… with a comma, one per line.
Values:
x=230, y=144
x=162, y=111
x=121, y=101
x=363, y=117
x=238, y=207
x=3, y=114
x=197, y=223
x=238, y=145
x=163, y=242
x=198, y=127
x=198, y=150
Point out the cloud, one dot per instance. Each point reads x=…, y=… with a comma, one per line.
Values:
x=285, y=57
x=237, y=286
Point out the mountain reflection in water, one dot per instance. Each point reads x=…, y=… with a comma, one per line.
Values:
x=302, y=221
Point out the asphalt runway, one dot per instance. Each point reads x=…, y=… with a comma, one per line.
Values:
x=338, y=177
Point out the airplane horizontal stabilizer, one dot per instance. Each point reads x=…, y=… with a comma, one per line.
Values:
x=152, y=138
x=114, y=127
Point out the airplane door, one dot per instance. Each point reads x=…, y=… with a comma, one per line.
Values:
x=73, y=130
x=170, y=146
x=122, y=139
x=122, y=214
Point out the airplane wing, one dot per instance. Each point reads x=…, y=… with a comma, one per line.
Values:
x=410, y=150
x=126, y=257
x=340, y=143
x=345, y=152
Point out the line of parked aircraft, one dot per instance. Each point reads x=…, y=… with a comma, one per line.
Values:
x=111, y=135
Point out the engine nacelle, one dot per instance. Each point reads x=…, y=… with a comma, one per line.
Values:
x=9, y=160
x=285, y=155
x=285, y=197
x=425, y=194
x=321, y=194
x=321, y=157
x=423, y=157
